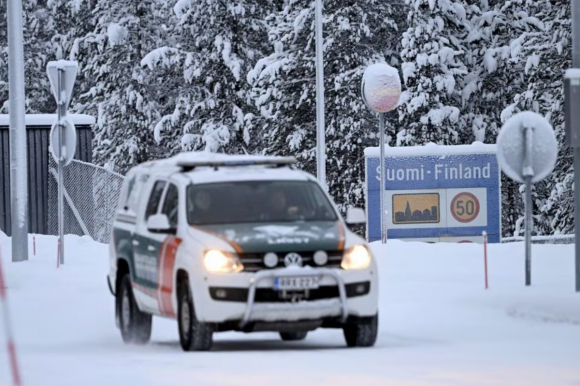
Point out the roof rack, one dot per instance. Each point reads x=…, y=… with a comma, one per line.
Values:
x=276, y=162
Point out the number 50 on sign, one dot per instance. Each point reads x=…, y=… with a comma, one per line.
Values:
x=467, y=207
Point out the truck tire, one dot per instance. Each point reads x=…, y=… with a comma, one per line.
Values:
x=363, y=333
x=135, y=325
x=193, y=334
x=293, y=336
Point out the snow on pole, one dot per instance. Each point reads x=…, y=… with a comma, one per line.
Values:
x=484, y=234
x=18, y=162
x=8, y=329
x=383, y=179
x=381, y=91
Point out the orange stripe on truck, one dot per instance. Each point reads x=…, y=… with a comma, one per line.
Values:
x=165, y=282
x=340, y=236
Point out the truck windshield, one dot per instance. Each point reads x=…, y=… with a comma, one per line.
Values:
x=257, y=202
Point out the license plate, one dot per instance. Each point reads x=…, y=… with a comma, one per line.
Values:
x=296, y=283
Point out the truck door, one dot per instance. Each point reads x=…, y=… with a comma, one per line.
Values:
x=146, y=251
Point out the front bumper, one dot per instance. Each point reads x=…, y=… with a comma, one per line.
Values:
x=251, y=297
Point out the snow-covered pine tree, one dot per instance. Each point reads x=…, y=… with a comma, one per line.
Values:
x=39, y=48
x=356, y=34
x=495, y=87
x=121, y=92
x=215, y=44
x=433, y=70
x=548, y=56
x=72, y=20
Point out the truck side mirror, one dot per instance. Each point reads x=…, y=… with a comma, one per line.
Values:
x=159, y=223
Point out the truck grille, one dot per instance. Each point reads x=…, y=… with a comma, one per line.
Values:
x=254, y=262
x=269, y=295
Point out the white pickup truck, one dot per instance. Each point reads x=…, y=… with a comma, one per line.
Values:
x=244, y=243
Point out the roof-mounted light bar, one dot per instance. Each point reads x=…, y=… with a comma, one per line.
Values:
x=270, y=161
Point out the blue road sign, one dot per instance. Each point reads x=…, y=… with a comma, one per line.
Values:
x=436, y=193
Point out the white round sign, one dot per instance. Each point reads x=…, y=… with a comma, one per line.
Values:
x=69, y=141
x=381, y=87
x=511, y=146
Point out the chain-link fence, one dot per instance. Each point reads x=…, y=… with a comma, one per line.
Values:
x=91, y=194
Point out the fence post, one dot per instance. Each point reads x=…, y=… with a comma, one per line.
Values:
x=484, y=234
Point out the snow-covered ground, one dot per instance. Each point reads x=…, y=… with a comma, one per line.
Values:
x=438, y=326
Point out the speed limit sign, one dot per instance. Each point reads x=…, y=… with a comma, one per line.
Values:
x=465, y=207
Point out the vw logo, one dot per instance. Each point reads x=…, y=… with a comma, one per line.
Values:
x=293, y=260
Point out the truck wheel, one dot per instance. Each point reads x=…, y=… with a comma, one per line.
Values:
x=135, y=325
x=193, y=334
x=293, y=336
x=363, y=333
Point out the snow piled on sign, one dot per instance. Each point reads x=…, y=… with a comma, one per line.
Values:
x=438, y=325
x=511, y=146
x=432, y=149
x=381, y=86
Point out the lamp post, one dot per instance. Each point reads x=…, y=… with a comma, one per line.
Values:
x=381, y=91
x=18, y=169
x=573, y=126
x=320, y=132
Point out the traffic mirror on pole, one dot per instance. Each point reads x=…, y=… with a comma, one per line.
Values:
x=527, y=151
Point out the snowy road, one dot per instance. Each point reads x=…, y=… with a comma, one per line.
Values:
x=438, y=327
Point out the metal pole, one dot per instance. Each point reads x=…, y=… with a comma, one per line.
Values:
x=577, y=212
x=576, y=64
x=320, y=127
x=18, y=163
x=528, y=173
x=529, y=225
x=382, y=189
x=60, y=113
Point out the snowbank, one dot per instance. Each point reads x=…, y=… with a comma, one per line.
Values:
x=437, y=325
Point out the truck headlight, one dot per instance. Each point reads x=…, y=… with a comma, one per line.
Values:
x=221, y=262
x=356, y=257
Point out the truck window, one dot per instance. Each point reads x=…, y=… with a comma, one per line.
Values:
x=171, y=205
x=154, y=198
x=134, y=190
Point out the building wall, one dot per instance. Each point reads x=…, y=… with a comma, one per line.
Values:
x=38, y=177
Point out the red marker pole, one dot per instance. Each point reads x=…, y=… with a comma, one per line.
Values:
x=8, y=330
x=484, y=234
